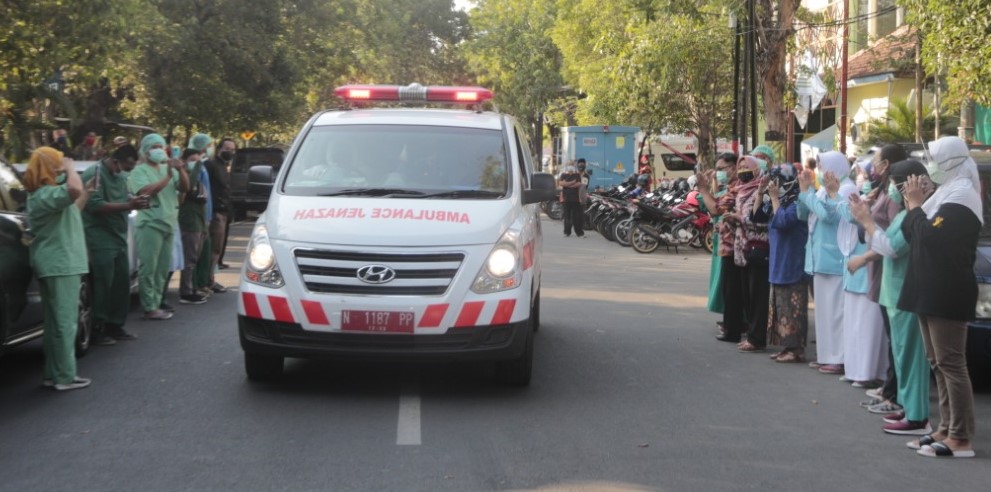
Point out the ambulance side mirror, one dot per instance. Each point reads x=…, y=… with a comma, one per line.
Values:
x=542, y=189
x=260, y=181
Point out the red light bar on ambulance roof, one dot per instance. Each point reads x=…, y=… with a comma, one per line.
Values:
x=413, y=92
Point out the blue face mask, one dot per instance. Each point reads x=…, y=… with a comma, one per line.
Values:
x=865, y=188
x=762, y=165
x=895, y=194
x=722, y=177
x=157, y=156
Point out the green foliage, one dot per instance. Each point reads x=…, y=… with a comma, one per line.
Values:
x=512, y=51
x=955, y=44
x=899, y=126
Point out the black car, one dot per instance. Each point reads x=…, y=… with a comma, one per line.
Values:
x=979, y=332
x=244, y=159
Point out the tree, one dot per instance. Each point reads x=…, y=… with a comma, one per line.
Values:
x=512, y=51
x=669, y=74
x=955, y=42
x=774, y=25
x=899, y=126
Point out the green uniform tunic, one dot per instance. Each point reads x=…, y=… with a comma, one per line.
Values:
x=715, y=303
x=58, y=256
x=106, y=237
x=154, y=232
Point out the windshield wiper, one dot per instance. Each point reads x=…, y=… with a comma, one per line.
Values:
x=373, y=192
x=465, y=194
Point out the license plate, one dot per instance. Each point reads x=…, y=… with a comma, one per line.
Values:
x=378, y=321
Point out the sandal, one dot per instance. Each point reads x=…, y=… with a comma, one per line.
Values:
x=749, y=347
x=917, y=444
x=941, y=450
x=775, y=355
x=790, y=357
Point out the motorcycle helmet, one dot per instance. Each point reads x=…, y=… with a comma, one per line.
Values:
x=693, y=199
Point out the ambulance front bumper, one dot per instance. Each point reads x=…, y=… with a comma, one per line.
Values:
x=475, y=343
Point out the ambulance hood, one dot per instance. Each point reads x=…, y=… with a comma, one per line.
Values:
x=351, y=221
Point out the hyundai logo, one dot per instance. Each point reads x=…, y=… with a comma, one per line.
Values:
x=376, y=274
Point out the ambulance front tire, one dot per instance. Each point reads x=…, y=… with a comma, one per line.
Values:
x=517, y=372
x=261, y=367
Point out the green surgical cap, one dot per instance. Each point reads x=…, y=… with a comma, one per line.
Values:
x=149, y=140
x=200, y=142
x=766, y=150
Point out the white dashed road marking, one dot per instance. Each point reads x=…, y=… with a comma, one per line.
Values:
x=408, y=428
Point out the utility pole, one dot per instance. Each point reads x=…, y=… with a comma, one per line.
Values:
x=753, y=74
x=736, y=83
x=845, y=74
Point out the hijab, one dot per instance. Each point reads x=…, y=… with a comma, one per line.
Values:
x=44, y=166
x=836, y=163
x=962, y=184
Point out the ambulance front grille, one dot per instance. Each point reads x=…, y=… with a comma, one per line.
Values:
x=336, y=272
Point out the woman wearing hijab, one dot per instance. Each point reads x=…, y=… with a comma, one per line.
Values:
x=56, y=194
x=751, y=249
x=865, y=345
x=940, y=286
x=788, y=307
x=823, y=259
x=908, y=351
x=156, y=177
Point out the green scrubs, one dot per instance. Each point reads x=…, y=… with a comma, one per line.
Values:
x=106, y=238
x=907, y=347
x=59, y=261
x=715, y=303
x=154, y=232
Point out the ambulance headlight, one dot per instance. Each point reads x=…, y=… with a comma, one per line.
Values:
x=501, y=262
x=261, y=257
x=261, y=267
x=502, y=269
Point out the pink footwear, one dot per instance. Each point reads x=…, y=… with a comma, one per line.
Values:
x=831, y=368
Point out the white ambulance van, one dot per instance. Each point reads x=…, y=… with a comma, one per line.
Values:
x=397, y=233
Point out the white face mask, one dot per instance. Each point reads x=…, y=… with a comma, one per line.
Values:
x=936, y=172
x=570, y=169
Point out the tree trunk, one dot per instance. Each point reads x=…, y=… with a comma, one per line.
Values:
x=775, y=27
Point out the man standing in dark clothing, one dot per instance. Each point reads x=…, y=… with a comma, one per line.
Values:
x=220, y=190
x=571, y=186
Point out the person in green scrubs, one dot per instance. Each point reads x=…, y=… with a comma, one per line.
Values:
x=105, y=219
x=161, y=180
x=58, y=257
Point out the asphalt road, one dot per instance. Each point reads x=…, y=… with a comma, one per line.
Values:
x=630, y=392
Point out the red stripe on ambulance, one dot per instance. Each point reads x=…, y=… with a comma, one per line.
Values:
x=433, y=315
x=469, y=314
x=503, y=312
x=280, y=308
x=315, y=313
x=251, y=308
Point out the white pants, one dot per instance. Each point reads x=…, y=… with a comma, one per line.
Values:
x=829, y=318
x=866, y=345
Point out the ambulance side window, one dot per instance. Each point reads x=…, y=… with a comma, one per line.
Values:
x=523, y=157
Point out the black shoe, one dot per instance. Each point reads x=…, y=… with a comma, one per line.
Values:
x=164, y=306
x=102, y=340
x=192, y=299
x=121, y=335
x=223, y=266
x=220, y=289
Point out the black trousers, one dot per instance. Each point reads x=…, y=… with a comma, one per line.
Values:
x=574, y=216
x=746, y=292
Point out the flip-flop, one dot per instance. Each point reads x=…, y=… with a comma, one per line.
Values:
x=790, y=357
x=941, y=450
x=750, y=348
x=920, y=442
